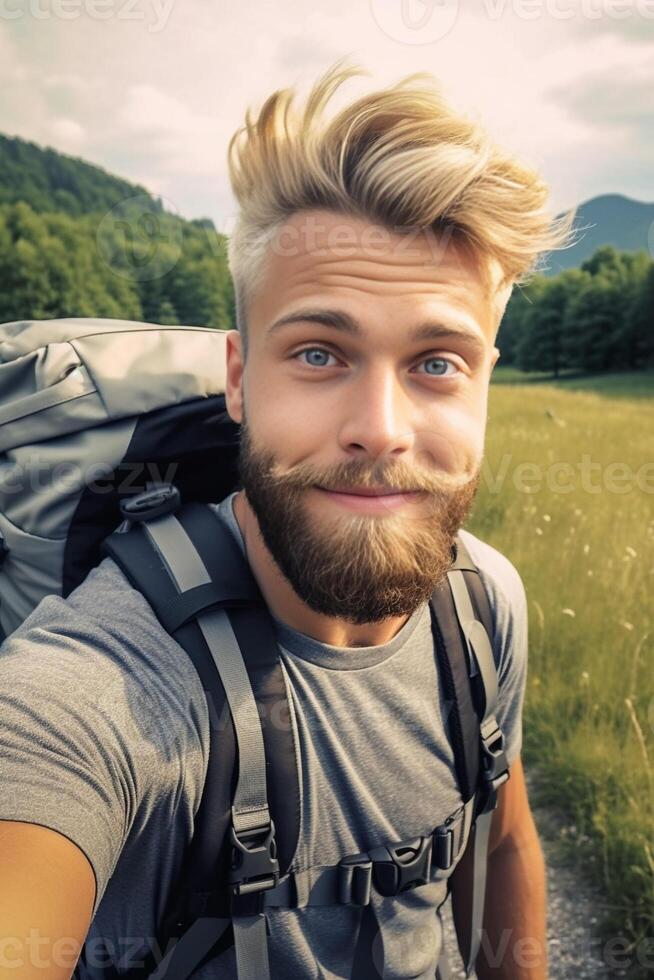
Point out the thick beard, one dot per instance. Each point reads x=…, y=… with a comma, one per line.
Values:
x=358, y=567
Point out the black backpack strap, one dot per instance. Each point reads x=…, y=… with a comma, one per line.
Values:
x=255, y=632
x=227, y=595
x=478, y=594
x=463, y=629
x=476, y=624
x=462, y=711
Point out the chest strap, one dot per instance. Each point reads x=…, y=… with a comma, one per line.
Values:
x=390, y=869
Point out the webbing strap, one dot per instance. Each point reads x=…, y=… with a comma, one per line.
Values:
x=481, y=662
x=186, y=954
x=250, y=803
x=177, y=551
x=480, y=861
x=251, y=945
x=477, y=641
x=250, y=807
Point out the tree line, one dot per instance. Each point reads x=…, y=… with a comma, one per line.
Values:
x=599, y=317
x=167, y=270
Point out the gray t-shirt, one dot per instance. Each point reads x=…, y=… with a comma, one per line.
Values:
x=104, y=737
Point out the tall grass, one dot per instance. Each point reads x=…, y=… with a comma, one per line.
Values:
x=586, y=557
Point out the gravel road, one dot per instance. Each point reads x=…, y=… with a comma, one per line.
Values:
x=574, y=951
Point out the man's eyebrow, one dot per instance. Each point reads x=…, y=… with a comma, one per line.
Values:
x=340, y=320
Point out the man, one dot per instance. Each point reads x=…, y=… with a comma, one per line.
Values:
x=372, y=264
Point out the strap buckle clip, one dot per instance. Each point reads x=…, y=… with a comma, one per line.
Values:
x=495, y=768
x=442, y=847
x=400, y=867
x=4, y=549
x=254, y=864
x=354, y=879
x=442, y=851
x=157, y=499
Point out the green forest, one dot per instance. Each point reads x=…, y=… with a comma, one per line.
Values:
x=597, y=318
x=77, y=241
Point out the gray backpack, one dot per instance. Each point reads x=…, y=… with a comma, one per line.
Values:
x=114, y=437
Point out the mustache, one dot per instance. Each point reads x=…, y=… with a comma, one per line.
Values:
x=399, y=478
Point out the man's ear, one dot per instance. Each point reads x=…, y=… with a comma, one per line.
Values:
x=234, y=375
x=494, y=357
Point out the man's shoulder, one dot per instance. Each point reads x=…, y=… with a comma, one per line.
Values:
x=499, y=573
x=502, y=580
x=104, y=625
x=103, y=587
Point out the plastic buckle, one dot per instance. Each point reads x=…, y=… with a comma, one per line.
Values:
x=495, y=769
x=355, y=880
x=400, y=867
x=254, y=864
x=158, y=499
x=442, y=847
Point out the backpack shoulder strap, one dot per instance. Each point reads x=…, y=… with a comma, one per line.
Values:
x=463, y=630
x=192, y=572
x=478, y=594
x=476, y=623
x=453, y=663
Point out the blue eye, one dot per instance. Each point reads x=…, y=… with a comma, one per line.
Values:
x=440, y=371
x=315, y=350
x=441, y=362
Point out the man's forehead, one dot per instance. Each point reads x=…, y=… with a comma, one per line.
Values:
x=311, y=236
x=316, y=241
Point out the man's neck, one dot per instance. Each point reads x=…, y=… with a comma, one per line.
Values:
x=286, y=605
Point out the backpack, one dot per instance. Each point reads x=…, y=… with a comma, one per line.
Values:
x=134, y=415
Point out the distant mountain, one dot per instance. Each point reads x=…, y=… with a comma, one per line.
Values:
x=613, y=219
x=50, y=181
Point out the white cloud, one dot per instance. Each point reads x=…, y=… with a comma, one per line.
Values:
x=67, y=135
x=626, y=102
x=159, y=108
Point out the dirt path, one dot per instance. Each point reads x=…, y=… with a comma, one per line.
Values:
x=574, y=952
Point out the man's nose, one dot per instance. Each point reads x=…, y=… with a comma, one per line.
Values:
x=379, y=416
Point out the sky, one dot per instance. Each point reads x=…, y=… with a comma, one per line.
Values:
x=152, y=90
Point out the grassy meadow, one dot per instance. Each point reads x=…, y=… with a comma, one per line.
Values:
x=578, y=523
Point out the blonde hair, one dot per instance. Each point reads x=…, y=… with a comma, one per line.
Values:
x=401, y=156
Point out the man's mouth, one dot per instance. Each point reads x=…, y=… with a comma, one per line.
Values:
x=368, y=491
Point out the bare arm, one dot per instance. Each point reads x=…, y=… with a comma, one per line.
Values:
x=47, y=893
x=514, y=940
